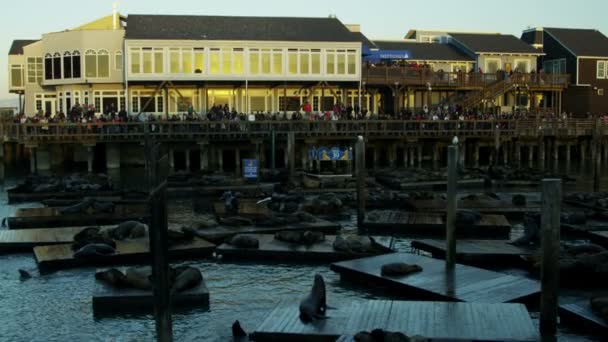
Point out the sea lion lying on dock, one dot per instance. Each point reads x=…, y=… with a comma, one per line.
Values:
x=305, y=238
x=139, y=278
x=236, y=221
x=128, y=229
x=314, y=305
x=91, y=235
x=380, y=335
x=244, y=241
x=186, y=278
x=486, y=196
x=103, y=207
x=354, y=244
x=112, y=277
x=573, y=218
x=583, y=248
x=399, y=269
x=78, y=208
x=599, y=305
x=94, y=250
x=531, y=231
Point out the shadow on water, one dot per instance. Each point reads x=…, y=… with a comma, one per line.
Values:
x=57, y=307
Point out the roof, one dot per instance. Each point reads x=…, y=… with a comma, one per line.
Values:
x=533, y=37
x=19, y=44
x=364, y=40
x=425, y=51
x=493, y=43
x=581, y=42
x=186, y=27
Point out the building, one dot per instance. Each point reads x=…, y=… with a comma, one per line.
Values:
x=580, y=53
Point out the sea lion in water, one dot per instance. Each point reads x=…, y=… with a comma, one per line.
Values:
x=238, y=333
x=245, y=241
x=399, y=268
x=314, y=305
x=94, y=250
x=24, y=275
x=112, y=277
x=186, y=278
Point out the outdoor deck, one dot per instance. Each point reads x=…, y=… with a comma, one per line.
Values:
x=432, y=224
x=270, y=248
x=111, y=301
x=221, y=232
x=476, y=251
x=466, y=284
x=434, y=320
x=57, y=257
x=50, y=217
x=580, y=315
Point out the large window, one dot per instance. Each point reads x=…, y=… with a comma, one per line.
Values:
x=76, y=64
x=341, y=62
x=174, y=58
x=601, y=69
x=555, y=66
x=289, y=104
x=238, y=61
x=352, y=62
x=103, y=64
x=292, y=61
x=492, y=66
x=118, y=60
x=90, y=63
x=522, y=65
x=316, y=61
x=148, y=56
x=34, y=70
x=109, y=101
x=67, y=65
x=17, y=75
x=331, y=61
x=226, y=61
x=146, y=60
x=48, y=67
x=304, y=61
x=135, y=60
x=199, y=60
x=214, y=61
x=57, y=66
x=187, y=61
x=277, y=61
x=142, y=101
x=254, y=61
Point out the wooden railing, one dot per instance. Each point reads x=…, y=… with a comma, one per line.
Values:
x=242, y=130
x=390, y=75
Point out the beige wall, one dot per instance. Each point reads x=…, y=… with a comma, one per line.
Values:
x=504, y=59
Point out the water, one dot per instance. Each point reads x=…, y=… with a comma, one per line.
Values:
x=57, y=307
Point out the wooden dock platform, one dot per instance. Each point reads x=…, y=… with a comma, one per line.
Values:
x=272, y=249
x=23, y=240
x=16, y=195
x=246, y=207
x=433, y=320
x=476, y=251
x=111, y=301
x=433, y=224
x=57, y=257
x=466, y=284
x=580, y=315
x=500, y=207
x=50, y=217
x=599, y=237
x=442, y=184
x=174, y=191
x=219, y=233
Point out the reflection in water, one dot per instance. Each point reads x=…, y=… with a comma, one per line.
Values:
x=57, y=307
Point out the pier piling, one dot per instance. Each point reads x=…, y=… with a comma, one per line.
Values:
x=550, y=230
x=451, y=206
x=360, y=172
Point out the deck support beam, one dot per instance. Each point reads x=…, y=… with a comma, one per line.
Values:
x=89, y=159
x=187, y=157
x=237, y=162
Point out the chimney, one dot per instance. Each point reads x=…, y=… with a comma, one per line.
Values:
x=115, y=16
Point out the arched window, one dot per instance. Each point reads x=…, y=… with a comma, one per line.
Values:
x=118, y=60
x=48, y=66
x=76, y=64
x=90, y=63
x=67, y=65
x=103, y=63
x=57, y=66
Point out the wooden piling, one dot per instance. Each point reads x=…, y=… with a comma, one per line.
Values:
x=273, y=138
x=550, y=230
x=360, y=172
x=597, y=155
x=291, y=154
x=450, y=259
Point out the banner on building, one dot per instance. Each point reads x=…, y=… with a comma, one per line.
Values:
x=331, y=153
x=250, y=168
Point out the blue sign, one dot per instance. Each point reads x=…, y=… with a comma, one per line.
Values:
x=250, y=168
x=380, y=55
x=333, y=153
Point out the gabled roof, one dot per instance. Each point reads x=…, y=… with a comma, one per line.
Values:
x=581, y=42
x=493, y=43
x=186, y=27
x=18, y=45
x=425, y=51
x=364, y=40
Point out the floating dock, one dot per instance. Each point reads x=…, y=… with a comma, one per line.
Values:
x=442, y=184
x=221, y=232
x=57, y=257
x=500, y=207
x=175, y=190
x=580, y=315
x=51, y=217
x=432, y=224
x=108, y=300
x=246, y=207
x=433, y=320
x=476, y=251
x=465, y=284
x=23, y=240
x=17, y=195
x=272, y=249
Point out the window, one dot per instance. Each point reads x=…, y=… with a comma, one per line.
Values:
x=226, y=62
x=76, y=64
x=341, y=62
x=48, y=67
x=17, y=75
x=90, y=63
x=254, y=61
x=492, y=66
x=316, y=62
x=174, y=58
x=187, y=61
x=103, y=64
x=199, y=60
x=290, y=104
x=135, y=61
x=331, y=61
x=214, y=60
x=292, y=61
x=118, y=60
x=147, y=60
x=277, y=62
x=159, y=65
x=57, y=66
x=34, y=70
x=267, y=62
x=352, y=62
x=556, y=66
x=600, y=92
x=601, y=69
x=522, y=66
x=257, y=104
x=238, y=61
x=67, y=65
x=304, y=62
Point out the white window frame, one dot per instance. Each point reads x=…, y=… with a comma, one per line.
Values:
x=599, y=75
x=488, y=60
x=117, y=55
x=526, y=61
x=38, y=70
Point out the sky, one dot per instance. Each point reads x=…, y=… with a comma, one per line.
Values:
x=386, y=19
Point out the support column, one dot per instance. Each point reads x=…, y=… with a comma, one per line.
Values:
x=89, y=159
x=518, y=153
x=463, y=153
x=411, y=156
x=171, y=160
x=505, y=153
x=237, y=162
x=419, y=146
x=555, y=150
x=568, y=153
x=291, y=154
x=435, y=153
x=204, y=156
x=43, y=158
x=376, y=157
x=33, y=166
x=541, y=153
x=530, y=155
x=605, y=151
x=405, y=156
x=220, y=159
x=392, y=157
x=187, y=155
x=583, y=151
x=1, y=162
x=476, y=155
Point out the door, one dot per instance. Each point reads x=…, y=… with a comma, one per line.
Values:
x=49, y=106
x=508, y=67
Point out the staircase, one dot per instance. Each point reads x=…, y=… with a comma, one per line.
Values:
x=489, y=93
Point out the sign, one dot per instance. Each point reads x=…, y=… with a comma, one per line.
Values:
x=381, y=55
x=250, y=168
x=333, y=153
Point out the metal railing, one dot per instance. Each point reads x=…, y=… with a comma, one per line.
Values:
x=236, y=130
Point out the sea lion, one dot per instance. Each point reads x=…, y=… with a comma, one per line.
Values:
x=359, y=244
x=94, y=250
x=4, y=222
x=310, y=238
x=236, y=221
x=91, y=235
x=176, y=237
x=380, y=335
x=531, y=231
x=138, y=231
x=288, y=236
x=24, y=275
x=467, y=217
x=314, y=305
x=103, y=207
x=245, y=241
x=519, y=200
x=399, y=269
x=186, y=278
x=123, y=230
x=138, y=278
x=584, y=248
x=112, y=277
x=238, y=333
x=78, y=208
